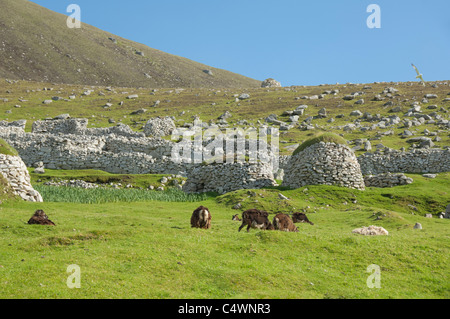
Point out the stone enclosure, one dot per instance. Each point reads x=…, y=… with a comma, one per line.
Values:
x=325, y=164
x=69, y=144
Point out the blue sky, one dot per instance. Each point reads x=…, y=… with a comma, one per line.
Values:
x=296, y=42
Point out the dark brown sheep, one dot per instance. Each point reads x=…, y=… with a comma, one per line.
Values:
x=40, y=218
x=201, y=218
x=284, y=223
x=257, y=219
x=300, y=218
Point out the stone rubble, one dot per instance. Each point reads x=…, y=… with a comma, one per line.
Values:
x=387, y=180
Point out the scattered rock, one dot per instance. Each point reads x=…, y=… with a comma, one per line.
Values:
x=281, y=196
x=244, y=96
x=387, y=180
x=137, y=112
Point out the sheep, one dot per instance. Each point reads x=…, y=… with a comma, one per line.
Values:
x=300, y=218
x=201, y=218
x=371, y=231
x=236, y=218
x=257, y=219
x=284, y=223
x=40, y=218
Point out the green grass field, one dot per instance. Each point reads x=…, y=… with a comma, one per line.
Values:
x=147, y=249
x=133, y=243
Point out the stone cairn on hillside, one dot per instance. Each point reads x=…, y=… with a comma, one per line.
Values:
x=228, y=177
x=159, y=126
x=270, y=83
x=16, y=173
x=324, y=164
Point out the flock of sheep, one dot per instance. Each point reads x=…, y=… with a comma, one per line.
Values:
x=252, y=218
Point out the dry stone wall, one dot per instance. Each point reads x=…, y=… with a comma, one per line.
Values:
x=387, y=180
x=125, y=153
x=414, y=161
x=223, y=178
x=70, y=144
x=324, y=164
x=16, y=173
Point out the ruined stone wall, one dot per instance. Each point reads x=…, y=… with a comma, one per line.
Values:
x=69, y=144
x=16, y=173
x=223, y=178
x=414, y=161
x=387, y=180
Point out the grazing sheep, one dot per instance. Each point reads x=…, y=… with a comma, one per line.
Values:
x=300, y=218
x=201, y=218
x=236, y=218
x=257, y=219
x=371, y=231
x=40, y=218
x=284, y=223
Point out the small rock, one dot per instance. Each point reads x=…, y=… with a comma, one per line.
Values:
x=281, y=196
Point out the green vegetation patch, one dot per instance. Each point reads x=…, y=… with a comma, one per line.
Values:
x=63, y=194
x=325, y=137
x=98, y=177
x=7, y=149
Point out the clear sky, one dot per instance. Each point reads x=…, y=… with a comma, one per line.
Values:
x=296, y=42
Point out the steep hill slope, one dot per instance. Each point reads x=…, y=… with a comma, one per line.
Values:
x=37, y=45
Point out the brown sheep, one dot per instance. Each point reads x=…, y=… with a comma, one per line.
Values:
x=201, y=218
x=284, y=223
x=300, y=218
x=257, y=219
x=40, y=218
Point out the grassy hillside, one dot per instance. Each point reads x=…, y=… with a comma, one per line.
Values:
x=209, y=104
x=131, y=243
x=6, y=149
x=37, y=45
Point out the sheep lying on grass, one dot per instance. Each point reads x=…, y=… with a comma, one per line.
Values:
x=371, y=231
x=284, y=223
